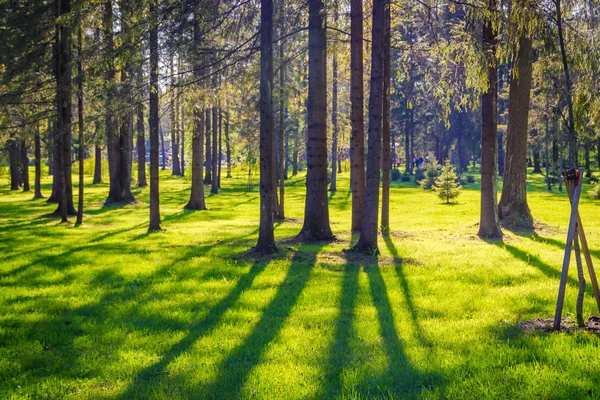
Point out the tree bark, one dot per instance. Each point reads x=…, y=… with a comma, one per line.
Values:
x=175, y=166
x=153, y=120
x=513, y=209
x=14, y=154
x=38, y=164
x=24, y=166
x=367, y=242
x=80, y=122
x=97, y=165
x=208, y=176
x=385, y=157
x=489, y=225
x=182, y=140
x=266, y=238
x=334, y=114
x=215, y=157
x=141, y=147
x=316, y=210
x=227, y=144
x=357, y=144
x=282, y=70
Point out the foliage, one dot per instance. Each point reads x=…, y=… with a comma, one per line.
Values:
x=595, y=192
x=431, y=173
x=396, y=174
x=446, y=184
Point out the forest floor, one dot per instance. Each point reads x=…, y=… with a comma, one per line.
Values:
x=107, y=311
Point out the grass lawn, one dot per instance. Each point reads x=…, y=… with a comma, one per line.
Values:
x=107, y=311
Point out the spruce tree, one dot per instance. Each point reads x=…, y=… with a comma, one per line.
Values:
x=446, y=184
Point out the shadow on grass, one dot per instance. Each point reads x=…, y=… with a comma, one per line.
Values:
x=234, y=371
x=408, y=299
x=141, y=385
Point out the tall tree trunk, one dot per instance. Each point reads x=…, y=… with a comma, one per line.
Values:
x=175, y=166
x=367, y=242
x=227, y=144
x=282, y=68
x=182, y=140
x=25, y=166
x=162, y=145
x=153, y=120
x=97, y=165
x=547, y=157
x=489, y=225
x=196, y=201
x=357, y=139
x=80, y=122
x=14, y=154
x=385, y=148
x=569, y=91
x=598, y=151
x=141, y=147
x=208, y=176
x=334, y=112
x=220, y=151
x=586, y=149
x=38, y=164
x=513, y=209
x=63, y=103
x=407, y=158
x=266, y=238
x=215, y=157
x=112, y=137
x=316, y=211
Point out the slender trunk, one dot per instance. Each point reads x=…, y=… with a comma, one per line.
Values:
x=162, y=145
x=489, y=225
x=38, y=164
x=141, y=147
x=182, y=140
x=220, y=151
x=357, y=139
x=407, y=158
x=25, y=167
x=15, y=163
x=175, y=166
x=227, y=144
x=286, y=155
x=569, y=92
x=316, y=211
x=548, y=183
x=266, y=238
x=586, y=149
x=334, y=114
x=385, y=156
x=208, y=176
x=513, y=209
x=97, y=165
x=153, y=120
x=215, y=157
x=282, y=67
x=80, y=123
x=367, y=242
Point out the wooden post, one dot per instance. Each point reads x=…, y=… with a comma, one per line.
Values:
x=586, y=253
x=568, y=246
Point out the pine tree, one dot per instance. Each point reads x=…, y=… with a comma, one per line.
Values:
x=446, y=184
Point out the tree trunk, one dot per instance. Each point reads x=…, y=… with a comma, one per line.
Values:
x=489, y=225
x=586, y=149
x=14, y=154
x=282, y=67
x=25, y=167
x=208, y=176
x=162, y=143
x=153, y=121
x=334, y=115
x=141, y=147
x=548, y=183
x=513, y=209
x=80, y=122
x=357, y=139
x=182, y=140
x=63, y=102
x=227, y=145
x=38, y=164
x=175, y=166
x=215, y=157
x=97, y=165
x=385, y=156
x=220, y=151
x=266, y=238
x=367, y=242
x=316, y=211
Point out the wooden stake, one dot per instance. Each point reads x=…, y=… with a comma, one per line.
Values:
x=568, y=246
x=586, y=253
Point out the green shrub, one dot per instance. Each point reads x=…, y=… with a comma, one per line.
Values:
x=595, y=192
x=395, y=175
x=446, y=184
x=470, y=179
x=431, y=173
x=419, y=175
x=405, y=178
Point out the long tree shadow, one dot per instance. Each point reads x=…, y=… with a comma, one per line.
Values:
x=408, y=299
x=234, y=371
x=142, y=382
x=560, y=244
x=339, y=356
x=401, y=379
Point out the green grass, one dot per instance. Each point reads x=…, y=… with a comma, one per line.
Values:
x=107, y=311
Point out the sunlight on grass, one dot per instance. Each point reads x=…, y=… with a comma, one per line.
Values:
x=107, y=311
